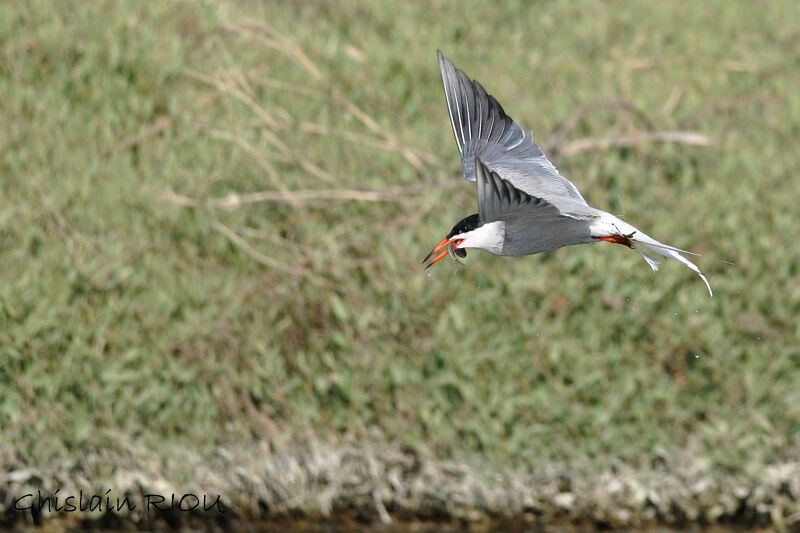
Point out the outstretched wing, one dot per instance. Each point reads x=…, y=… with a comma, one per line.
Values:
x=532, y=225
x=498, y=199
x=482, y=129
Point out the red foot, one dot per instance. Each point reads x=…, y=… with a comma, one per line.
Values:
x=617, y=239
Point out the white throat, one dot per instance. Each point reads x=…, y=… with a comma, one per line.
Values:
x=489, y=237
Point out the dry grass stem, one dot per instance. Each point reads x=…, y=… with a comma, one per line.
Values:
x=231, y=89
x=691, y=138
x=726, y=106
x=672, y=101
x=314, y=170
x=255, y=254
x=624, y=106
x=285, y=44
x=232, y=201
x=260, y=160
x=381, y=144
x=160, y=124
x=290, y=87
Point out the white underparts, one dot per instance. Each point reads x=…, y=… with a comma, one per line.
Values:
x=489, y=237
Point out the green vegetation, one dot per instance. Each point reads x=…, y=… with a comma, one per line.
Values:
x=146, y=325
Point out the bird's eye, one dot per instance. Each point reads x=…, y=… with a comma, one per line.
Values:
x=460, y=252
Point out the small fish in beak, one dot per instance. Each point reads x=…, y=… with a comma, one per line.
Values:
x=452, y=250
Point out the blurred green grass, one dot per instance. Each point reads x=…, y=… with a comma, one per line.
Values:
x=127, y=320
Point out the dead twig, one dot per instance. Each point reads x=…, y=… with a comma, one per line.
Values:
x=731, y=65
x=253, y=233
x=255, y=254
x=322, y=197
x=691, y=138
x=314, y=170
x=551, y=146
x=231, y=90
x=726, y=106
x=285, y=44
x=374, y=142
x=290, y=87
x=232, y=201
x=158, y=125
x=260, y=160
x=672, y=101
x=634, y=133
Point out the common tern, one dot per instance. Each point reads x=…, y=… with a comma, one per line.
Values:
x=525, y=206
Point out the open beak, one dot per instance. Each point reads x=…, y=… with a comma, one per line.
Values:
x=444, y=244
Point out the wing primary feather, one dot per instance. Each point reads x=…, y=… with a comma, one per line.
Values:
x=479, y=114
x=458, y=114
x=497, y=196
x=482, y=128
x=464, y=82
x=449, y=95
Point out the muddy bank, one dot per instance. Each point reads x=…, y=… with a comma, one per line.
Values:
x=347, y=487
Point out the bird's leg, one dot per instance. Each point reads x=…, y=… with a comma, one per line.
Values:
x=628, y=236
x=616, y=239
x=620, y=238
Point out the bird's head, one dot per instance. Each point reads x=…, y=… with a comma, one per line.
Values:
x=461, y=236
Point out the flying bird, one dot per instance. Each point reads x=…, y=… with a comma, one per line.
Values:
x=525, y=206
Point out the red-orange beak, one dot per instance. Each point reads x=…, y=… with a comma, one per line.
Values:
x=444, y=244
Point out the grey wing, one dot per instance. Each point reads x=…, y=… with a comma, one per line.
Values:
x=482, y=129
x=499, y=199
x=532, y=225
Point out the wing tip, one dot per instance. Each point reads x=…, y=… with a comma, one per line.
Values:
x=444, y=63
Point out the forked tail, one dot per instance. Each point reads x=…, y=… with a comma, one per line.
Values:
x=642, y=242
